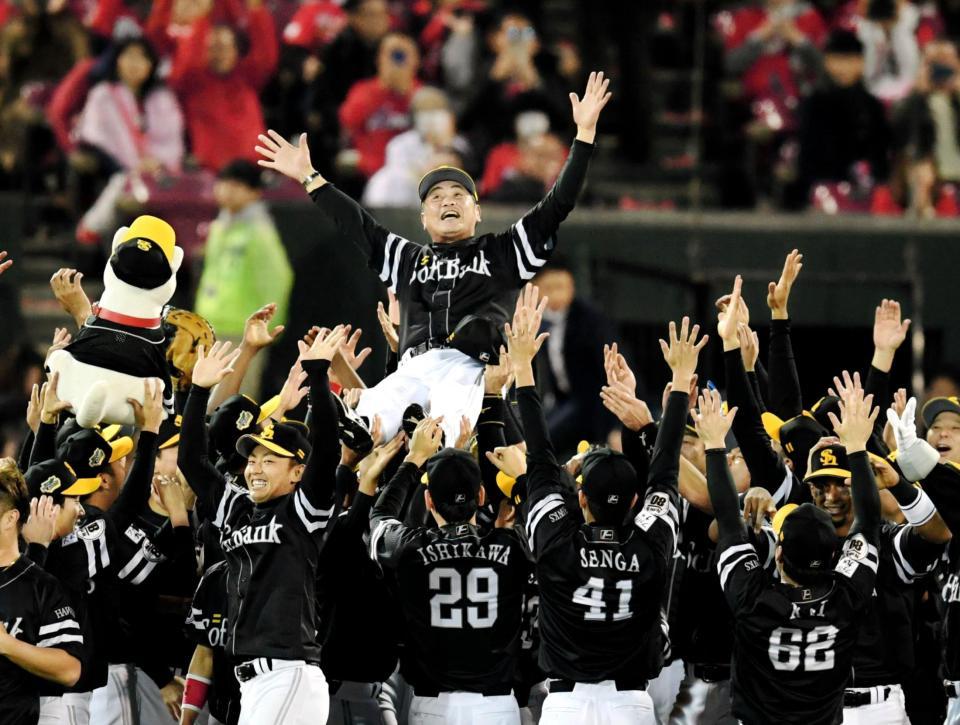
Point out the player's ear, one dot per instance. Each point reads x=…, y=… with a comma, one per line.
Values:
x=634, y=502
x=478, y=212
x=423, y=217
x=481, y=497
x=297, y=473
x=778, y=554
x=582, y=498
x=429, y=501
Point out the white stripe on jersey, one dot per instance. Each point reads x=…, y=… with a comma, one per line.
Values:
x=543, y=507
x=856, y=550
x=61, y=639
x=312, y=518
x=730, y=558
x=148, y=566
x=92, y=548
x=783, y=492
x=665, y=511
x=392, y=254
x=531, y=259
x=378, y=534
x=905, y=570
x=387, y=248
x=57, y=626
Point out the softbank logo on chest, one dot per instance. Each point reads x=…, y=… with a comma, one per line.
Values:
x=268, y=533
x=435, y=269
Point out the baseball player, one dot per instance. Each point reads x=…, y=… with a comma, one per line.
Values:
x=271, y=540
x=457, y=279
x=794, y=640
x=461, y=592
x=210, y=679
x=41, y=637
x=602, y=581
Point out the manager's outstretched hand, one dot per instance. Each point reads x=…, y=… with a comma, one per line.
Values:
x=586, y=110
x=287, y=159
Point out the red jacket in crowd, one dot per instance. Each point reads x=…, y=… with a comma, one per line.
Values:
x=223, y=112
x=372, y=114
x=315, y=25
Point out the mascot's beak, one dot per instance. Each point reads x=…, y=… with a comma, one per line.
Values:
x=156, y=230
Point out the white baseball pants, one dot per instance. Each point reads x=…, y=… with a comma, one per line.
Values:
x=72, y=708
x=953, y=711
x=598, y=704
x=663, y=690
x=292, y=693
x=112, y=704
x=892, y=711
x=465, y=708
x=702, y=703
x=444, y=381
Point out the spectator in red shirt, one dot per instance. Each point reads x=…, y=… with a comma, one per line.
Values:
x=315, y=25
x=774, y=50
x=377, y=109
x=219, y=88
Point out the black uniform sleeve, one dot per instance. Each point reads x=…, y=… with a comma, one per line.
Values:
x=193, y=458
x=659, y=516
x=44, y=445
x=491, y=435
x=860, y=556
x=37, y=553
x=637, y=447
x=531, y=240
x=26, y=448
x=59, y=625
x=545, y=513
x=136, y=489
x=913, y=556
x=313, y=499
x=784, y=399
x=766, y=468
x=942, y=485
x=387, y=254
x=878, y=385
x=388, y=533
x=757, y=388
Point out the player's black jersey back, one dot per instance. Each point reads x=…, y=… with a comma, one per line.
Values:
x=461, y=595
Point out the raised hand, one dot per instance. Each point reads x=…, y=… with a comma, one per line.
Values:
x=349, y=350
x=324, y=347
x=682, y=352
x=691, y=393
x=778, y=293
x=149, y=416
x=285, y=158
x=620, y=400
x=293, y=391
x=615, y=365
x=61, y=338
x=757, y=506
x=499, y=376
x=256, y=332
x=466, y=433
x=388, y=328
x=889, y=332
x=50, y=405
x=512, y=460
x=34, y=406
x=41, y=525
x=66, y=287
x=212, y=367
x=749, y=347
x=730, y=317
x=523, y=342
x=915, y=456
x=373, y=465
x=426, y=441
x=712, y=423
x=586, y=110
x=5, y=263
x=857, y=414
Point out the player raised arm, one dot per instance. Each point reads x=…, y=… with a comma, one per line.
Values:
x=136, y=489
x=712, y=427
x=784, y=390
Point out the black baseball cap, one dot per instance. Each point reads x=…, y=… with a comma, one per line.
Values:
x=56, y=478
x=478, y=337
x=288, y=439
x=446, y=173
x=452, y=477
x=608, y=480
x=89, y=454
x=169, y=435
x=796, y=436
x=935, y=406
x=843, y=42
x=808, y=539
x=820, y=409
x=109, y=432
x=828, y=462
x=237, y=416
x=244, y=172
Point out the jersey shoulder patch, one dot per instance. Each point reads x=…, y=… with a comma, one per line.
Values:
x=93, y=531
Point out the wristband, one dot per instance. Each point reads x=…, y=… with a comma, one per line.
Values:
x=310, y=178
x=916, y=505
x=195, y=692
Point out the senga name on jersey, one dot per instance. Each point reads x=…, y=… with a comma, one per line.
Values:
x=268, y=533
x=607, y=559
x=497, y=553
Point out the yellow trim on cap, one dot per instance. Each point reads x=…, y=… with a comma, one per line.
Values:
x=781, y=516
x=455, y=168
x=120, y=448
x=270, y=446
x=174, y=441
x=81, y=487
x=772, y=424
x=156, y=230
x=506, y=483
x=110, y=432
x=268, y=408
x=832, y=472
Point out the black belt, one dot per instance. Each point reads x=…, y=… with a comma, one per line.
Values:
x=423, y=347
x=711, y=673
x=428, y=691
x=248, y=670
x=852, y=698
x=562, y=685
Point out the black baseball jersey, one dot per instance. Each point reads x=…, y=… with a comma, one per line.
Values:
x=272, y=548
x=137, y=351
x=794, y=647
x=461, y=594
x=33, y=609
x=207, y=625
x=438, y=284
x=601, y=588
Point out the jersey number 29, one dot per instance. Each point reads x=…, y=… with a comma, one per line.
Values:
x=816, y=647
x=446, y=610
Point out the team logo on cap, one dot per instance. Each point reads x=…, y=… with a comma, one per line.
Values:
x=459, y=498
x=267, y=434
x=97, y=458
x=143, y=246
x=178, y=421
x=244, y=420
x=50, y=485
x=613, y=498
x=827, y=458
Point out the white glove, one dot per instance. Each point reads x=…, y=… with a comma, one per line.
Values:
x=915, y=457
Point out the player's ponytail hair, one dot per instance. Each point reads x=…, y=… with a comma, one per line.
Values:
x=13, y=489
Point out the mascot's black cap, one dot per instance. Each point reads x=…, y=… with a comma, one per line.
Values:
x=143, y=257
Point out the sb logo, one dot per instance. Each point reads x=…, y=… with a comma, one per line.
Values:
x=827, y=458
x=143, y=246
x=267, y=434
